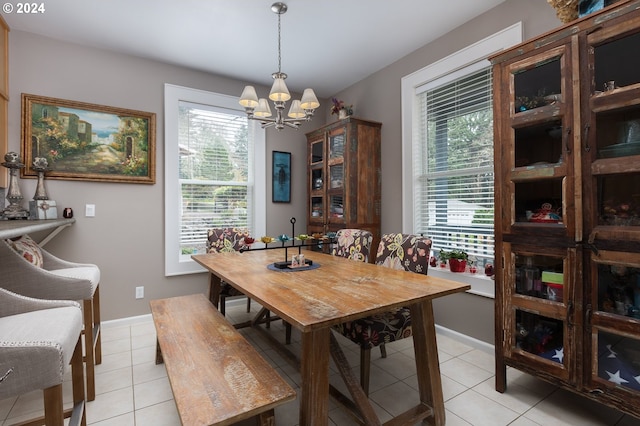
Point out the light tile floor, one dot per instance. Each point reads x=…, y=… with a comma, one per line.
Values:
x=132, y=390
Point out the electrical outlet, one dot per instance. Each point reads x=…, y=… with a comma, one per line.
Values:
x=140, y=292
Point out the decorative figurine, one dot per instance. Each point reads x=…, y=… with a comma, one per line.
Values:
x=14, y=210
x=67, y=213
x=40, y=165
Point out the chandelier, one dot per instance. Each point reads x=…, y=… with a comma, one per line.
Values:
x=258, y=109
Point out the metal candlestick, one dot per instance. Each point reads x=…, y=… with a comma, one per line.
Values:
x=14, y=210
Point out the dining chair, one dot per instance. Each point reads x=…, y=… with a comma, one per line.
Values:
x=399, y=251
x=38, y=340
x=28, y=269
x=221, y=240
x=354, y=244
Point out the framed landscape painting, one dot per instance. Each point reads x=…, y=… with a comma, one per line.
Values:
x=281, y=177
x=82, y=141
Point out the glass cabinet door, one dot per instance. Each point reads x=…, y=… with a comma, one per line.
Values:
x=612, y=143
x=336, y=175
x=615, y=333
x=539, y=156
x=317, y=209
x=539, y=285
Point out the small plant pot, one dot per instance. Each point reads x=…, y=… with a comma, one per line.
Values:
x=456, y=265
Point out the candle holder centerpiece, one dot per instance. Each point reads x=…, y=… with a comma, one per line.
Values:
x=289, y=242
x=14, y=210
x=42, y=207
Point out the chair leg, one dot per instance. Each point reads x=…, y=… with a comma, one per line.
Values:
x=53, y=407
x=248, y=304
x=89, y=349
x=223, y=303
x=97, y=325
x=383, y=350
x=287, y=332
x=365, y=369
x=77, y=382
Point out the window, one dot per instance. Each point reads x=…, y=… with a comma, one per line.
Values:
x=448, y=149
x=214, y=172
x=454, y=171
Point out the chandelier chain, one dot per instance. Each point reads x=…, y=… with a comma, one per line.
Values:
x=279, y=38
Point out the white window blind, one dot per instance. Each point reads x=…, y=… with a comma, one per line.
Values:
x=454, y=166
x=215, y=172
x=215, y=160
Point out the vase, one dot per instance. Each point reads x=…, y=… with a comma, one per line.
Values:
x=456, y=265
x=342, y=114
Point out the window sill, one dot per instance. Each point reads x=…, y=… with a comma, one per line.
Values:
x=481, y=285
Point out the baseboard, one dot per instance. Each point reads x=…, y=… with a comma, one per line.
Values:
x=468, y=340
x=121, y=322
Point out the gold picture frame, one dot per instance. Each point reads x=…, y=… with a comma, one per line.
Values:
x=88, y=142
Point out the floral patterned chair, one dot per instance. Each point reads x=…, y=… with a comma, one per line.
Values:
x=221, y=240
x=398, y=251
x=353, y=244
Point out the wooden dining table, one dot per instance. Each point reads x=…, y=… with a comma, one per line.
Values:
x=333, y=291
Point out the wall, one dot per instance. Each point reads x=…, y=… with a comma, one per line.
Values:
x=378, y=98
x=125, y=239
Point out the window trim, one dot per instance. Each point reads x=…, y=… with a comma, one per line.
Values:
x=172, y=96
x=471, y=56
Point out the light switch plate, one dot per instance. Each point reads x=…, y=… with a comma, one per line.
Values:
x=90, y=210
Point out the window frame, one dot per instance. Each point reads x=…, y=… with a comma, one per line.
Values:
x=456, y=65
x=173, y=95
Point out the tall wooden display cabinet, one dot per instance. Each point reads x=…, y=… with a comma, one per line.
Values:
x=567, y=169
x=343, y=177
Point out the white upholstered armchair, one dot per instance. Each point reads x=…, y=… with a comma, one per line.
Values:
x=29, y=270
x=38, y=340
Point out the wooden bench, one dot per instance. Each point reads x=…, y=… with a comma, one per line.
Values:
x=217, y=377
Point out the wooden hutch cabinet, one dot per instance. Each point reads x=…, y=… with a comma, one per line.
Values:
x=343, y=177
x=567, y=170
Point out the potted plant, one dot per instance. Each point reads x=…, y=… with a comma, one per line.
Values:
x=457, y=259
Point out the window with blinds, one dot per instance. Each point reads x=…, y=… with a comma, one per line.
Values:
x=453, y=165
x=215, y=162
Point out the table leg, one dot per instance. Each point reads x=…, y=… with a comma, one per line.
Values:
x=215, y=283
x=428, y=367
x=314, y=369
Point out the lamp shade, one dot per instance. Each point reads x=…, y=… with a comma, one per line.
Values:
x=263, y=109
x=279, y=91
x=309, y=100
x=249, y=97
x=296, y=111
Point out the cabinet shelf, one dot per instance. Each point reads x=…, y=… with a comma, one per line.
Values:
x=620, y=98
x=549, y=171
x=538, y=115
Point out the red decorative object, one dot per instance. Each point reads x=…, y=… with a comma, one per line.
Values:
x=488, y=269
x=456, y=265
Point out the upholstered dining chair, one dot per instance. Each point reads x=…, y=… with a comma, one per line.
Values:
x=354, y=244
x=31, y=271
x=221, y=240
x=399, y=251
x=38, y=340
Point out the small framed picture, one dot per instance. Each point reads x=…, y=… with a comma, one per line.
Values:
x=281, y=178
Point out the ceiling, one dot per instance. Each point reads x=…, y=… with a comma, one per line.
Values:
x=326, y=44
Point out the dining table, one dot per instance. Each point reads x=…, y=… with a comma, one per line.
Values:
x=333, y=290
